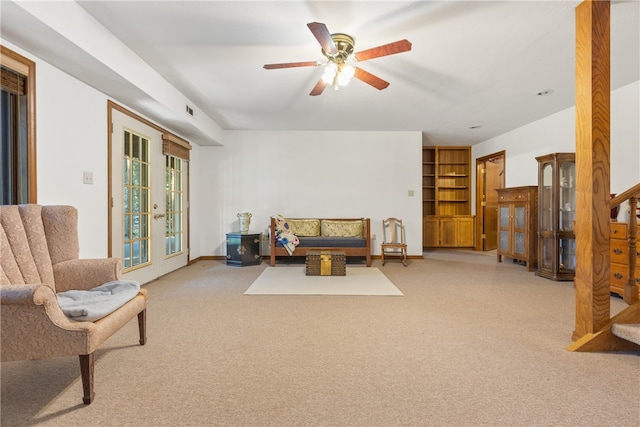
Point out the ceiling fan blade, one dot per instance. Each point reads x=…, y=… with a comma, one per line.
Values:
x=291, y=65
x=322, y=34
x=384, y=50
x=370, y=79
x=318, y=88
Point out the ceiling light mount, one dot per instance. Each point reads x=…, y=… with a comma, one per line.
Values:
x=345, y=45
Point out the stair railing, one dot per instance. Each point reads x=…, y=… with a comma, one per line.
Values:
x=632, y=195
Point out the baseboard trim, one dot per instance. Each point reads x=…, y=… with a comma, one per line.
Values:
x=266, y=258
x=207, y=258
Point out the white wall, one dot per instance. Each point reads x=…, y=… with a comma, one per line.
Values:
x=71, y=135
x=310, y=174
x=625, y=137
x=293, y=173
x=556, y=133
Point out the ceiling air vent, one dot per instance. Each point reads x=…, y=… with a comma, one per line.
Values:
x=189, y=111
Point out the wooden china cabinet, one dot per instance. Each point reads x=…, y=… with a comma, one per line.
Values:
x=556, y=216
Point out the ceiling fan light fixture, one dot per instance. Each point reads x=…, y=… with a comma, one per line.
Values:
x=338, y=75
x=338, y=48
x=330, y=72
x=345, y=74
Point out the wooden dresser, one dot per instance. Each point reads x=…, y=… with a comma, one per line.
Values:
x=619, y=257
x=518, y=224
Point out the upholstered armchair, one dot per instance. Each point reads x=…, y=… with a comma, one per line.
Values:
x=39, y=252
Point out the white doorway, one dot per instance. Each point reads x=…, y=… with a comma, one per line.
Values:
x=148, y=219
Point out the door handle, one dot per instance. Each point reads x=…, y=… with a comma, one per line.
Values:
x=156, y=216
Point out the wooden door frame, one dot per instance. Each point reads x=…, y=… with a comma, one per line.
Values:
x=113, y=106
x=480, y=161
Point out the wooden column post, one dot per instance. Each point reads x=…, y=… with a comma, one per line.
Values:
x=592, y=166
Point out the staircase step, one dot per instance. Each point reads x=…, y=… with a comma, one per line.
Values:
x=627, y=331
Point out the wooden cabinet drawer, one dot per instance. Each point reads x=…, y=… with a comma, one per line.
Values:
x=618, y=279
x=618, y=230
x=618, y=275
x=520, y=196
x=619, y=251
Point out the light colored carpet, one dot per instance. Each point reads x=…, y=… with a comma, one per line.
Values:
x=293, y=281
x=472, y=343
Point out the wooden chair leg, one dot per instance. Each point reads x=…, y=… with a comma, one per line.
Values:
x=86, y=372
x=142, y=326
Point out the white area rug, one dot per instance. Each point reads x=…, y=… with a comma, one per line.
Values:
x=293, y=281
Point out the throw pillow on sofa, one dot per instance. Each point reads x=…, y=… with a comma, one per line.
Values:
x=305, y=227
x=334, y=228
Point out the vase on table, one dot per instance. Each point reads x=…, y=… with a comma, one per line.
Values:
x=245, y=219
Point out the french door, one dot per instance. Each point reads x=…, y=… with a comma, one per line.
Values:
x=148, y=206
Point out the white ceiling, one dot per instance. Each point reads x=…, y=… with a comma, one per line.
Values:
x=473, y=63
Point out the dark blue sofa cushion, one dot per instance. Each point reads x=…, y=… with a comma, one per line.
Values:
x=330, y=242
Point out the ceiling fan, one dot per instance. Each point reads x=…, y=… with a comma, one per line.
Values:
x=338, y=49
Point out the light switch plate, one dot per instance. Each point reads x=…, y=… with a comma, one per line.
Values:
x=87, y=178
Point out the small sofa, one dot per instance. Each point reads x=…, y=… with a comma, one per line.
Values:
x=349, y=235
x=39, y=250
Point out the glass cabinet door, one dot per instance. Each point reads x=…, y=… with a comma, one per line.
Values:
x=567, y=209
x=567, y=196
x=546, y=197
x=546, y=261
x=504, y=228
x=568, y=255
x=545, y=194
x=519, y=228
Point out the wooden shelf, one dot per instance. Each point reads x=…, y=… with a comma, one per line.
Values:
x=446, y=194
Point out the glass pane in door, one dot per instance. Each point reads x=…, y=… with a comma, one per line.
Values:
x=518, y=243
x=504, y=216
x=546, y=253
x=136, y=234
x=567, y=255
x=504, y=241
x=546, y=197
x=567, y=196
x=519, y=212
x=174, y=208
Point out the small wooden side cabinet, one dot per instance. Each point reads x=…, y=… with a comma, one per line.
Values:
x=619, y=257
x=518, y=225
x=243, y=249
